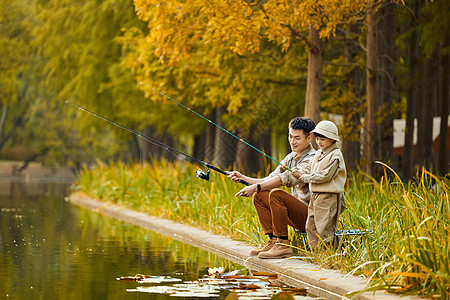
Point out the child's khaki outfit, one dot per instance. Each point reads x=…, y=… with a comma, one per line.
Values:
x=326, y=178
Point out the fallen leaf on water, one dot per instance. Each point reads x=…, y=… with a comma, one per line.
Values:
x=232, y=296
x=283, y=296
x=132, y=278
x=276, y=282
x=249, y=286
x=256, y=273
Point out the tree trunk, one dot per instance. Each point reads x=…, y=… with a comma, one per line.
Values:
x=198, y=150
x=147, y=149
x=351, y=147
x=168, y=140
x=225, y=144
x=425, y=122
x=371, y=135
x=154, y=151
x=247, y=159
x=386, y=54
x=443, y=166
x=210, y=137
x=17, y=123
x=266, y=142
x=314, y=78
x=3, y=118
x=411, y=94
x=251, y=161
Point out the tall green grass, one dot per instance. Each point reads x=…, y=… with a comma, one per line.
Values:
x=171, y=190
x=407, y=252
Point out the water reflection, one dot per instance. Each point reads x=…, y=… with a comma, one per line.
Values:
x=50, y=249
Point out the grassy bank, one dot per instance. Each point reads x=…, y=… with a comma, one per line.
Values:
x=408, y=251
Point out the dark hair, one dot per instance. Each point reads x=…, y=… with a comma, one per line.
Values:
x=319, y=135
x=322, y=136
x=305, y=124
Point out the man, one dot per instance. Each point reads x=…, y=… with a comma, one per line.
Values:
x=275, y=207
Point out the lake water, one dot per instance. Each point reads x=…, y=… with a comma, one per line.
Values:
x=51, y=249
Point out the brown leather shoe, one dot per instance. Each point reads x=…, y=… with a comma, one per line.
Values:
x=281, y=249
x=267, y=247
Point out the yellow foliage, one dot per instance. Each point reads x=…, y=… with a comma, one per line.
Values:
x=174, y=26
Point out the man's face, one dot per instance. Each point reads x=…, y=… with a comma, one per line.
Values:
x=298, y=140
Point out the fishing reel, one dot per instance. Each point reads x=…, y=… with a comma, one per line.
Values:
x=202, y=175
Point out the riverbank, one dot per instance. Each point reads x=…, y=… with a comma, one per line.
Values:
x=9, y=170
x=295, y=271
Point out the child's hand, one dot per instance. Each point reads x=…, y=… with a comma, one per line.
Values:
x=297, y=175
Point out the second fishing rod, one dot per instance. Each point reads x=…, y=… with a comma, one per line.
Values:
x=200, y=173
x=220, y=127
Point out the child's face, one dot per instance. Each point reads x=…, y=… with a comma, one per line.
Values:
x=323, y=142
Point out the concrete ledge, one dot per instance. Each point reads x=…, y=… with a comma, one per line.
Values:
x=322, y=282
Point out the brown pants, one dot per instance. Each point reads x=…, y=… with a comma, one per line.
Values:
x=277, y=209
x=323, y=217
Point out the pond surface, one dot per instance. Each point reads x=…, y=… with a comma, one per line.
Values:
x=50, y=249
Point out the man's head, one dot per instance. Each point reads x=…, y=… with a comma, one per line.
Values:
x=302, y=123
x=299, y=133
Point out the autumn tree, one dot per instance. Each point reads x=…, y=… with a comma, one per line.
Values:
x=78, y=40
x=175, y=27
x=15, y=58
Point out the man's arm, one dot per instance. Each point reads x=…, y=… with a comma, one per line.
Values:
x=235, y=176
x=268, y=184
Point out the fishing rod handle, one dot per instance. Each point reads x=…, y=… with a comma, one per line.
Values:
x=223, y=172
x=244, y=182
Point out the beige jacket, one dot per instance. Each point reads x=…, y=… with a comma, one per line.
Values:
x=300, y=161
x=327, y=173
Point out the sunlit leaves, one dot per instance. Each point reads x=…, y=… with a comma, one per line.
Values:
x=213, y=286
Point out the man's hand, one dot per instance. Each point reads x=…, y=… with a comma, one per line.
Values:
x=234, y=176
x=247, y=191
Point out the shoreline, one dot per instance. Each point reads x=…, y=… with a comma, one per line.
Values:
x=294, y=271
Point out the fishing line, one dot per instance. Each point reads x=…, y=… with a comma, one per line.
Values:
x=200, y=173
x=218, y=126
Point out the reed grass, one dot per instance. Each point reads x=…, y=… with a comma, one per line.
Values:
x=407, y=252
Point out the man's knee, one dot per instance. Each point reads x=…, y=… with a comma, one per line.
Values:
x=276, y=195
x=258, y=198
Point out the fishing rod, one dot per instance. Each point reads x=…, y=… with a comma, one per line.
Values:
x=200, y=173
x=218, y=126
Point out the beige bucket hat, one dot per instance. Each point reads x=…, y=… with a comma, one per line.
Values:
x=327, y=129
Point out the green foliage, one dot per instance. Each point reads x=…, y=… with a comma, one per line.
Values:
x=14, y=46
x=407, y=252
x=76, y=56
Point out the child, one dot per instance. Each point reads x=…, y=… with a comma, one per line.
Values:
x=326, y=177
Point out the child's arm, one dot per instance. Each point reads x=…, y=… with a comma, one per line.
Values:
x=303, y=167
x=323, y=175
